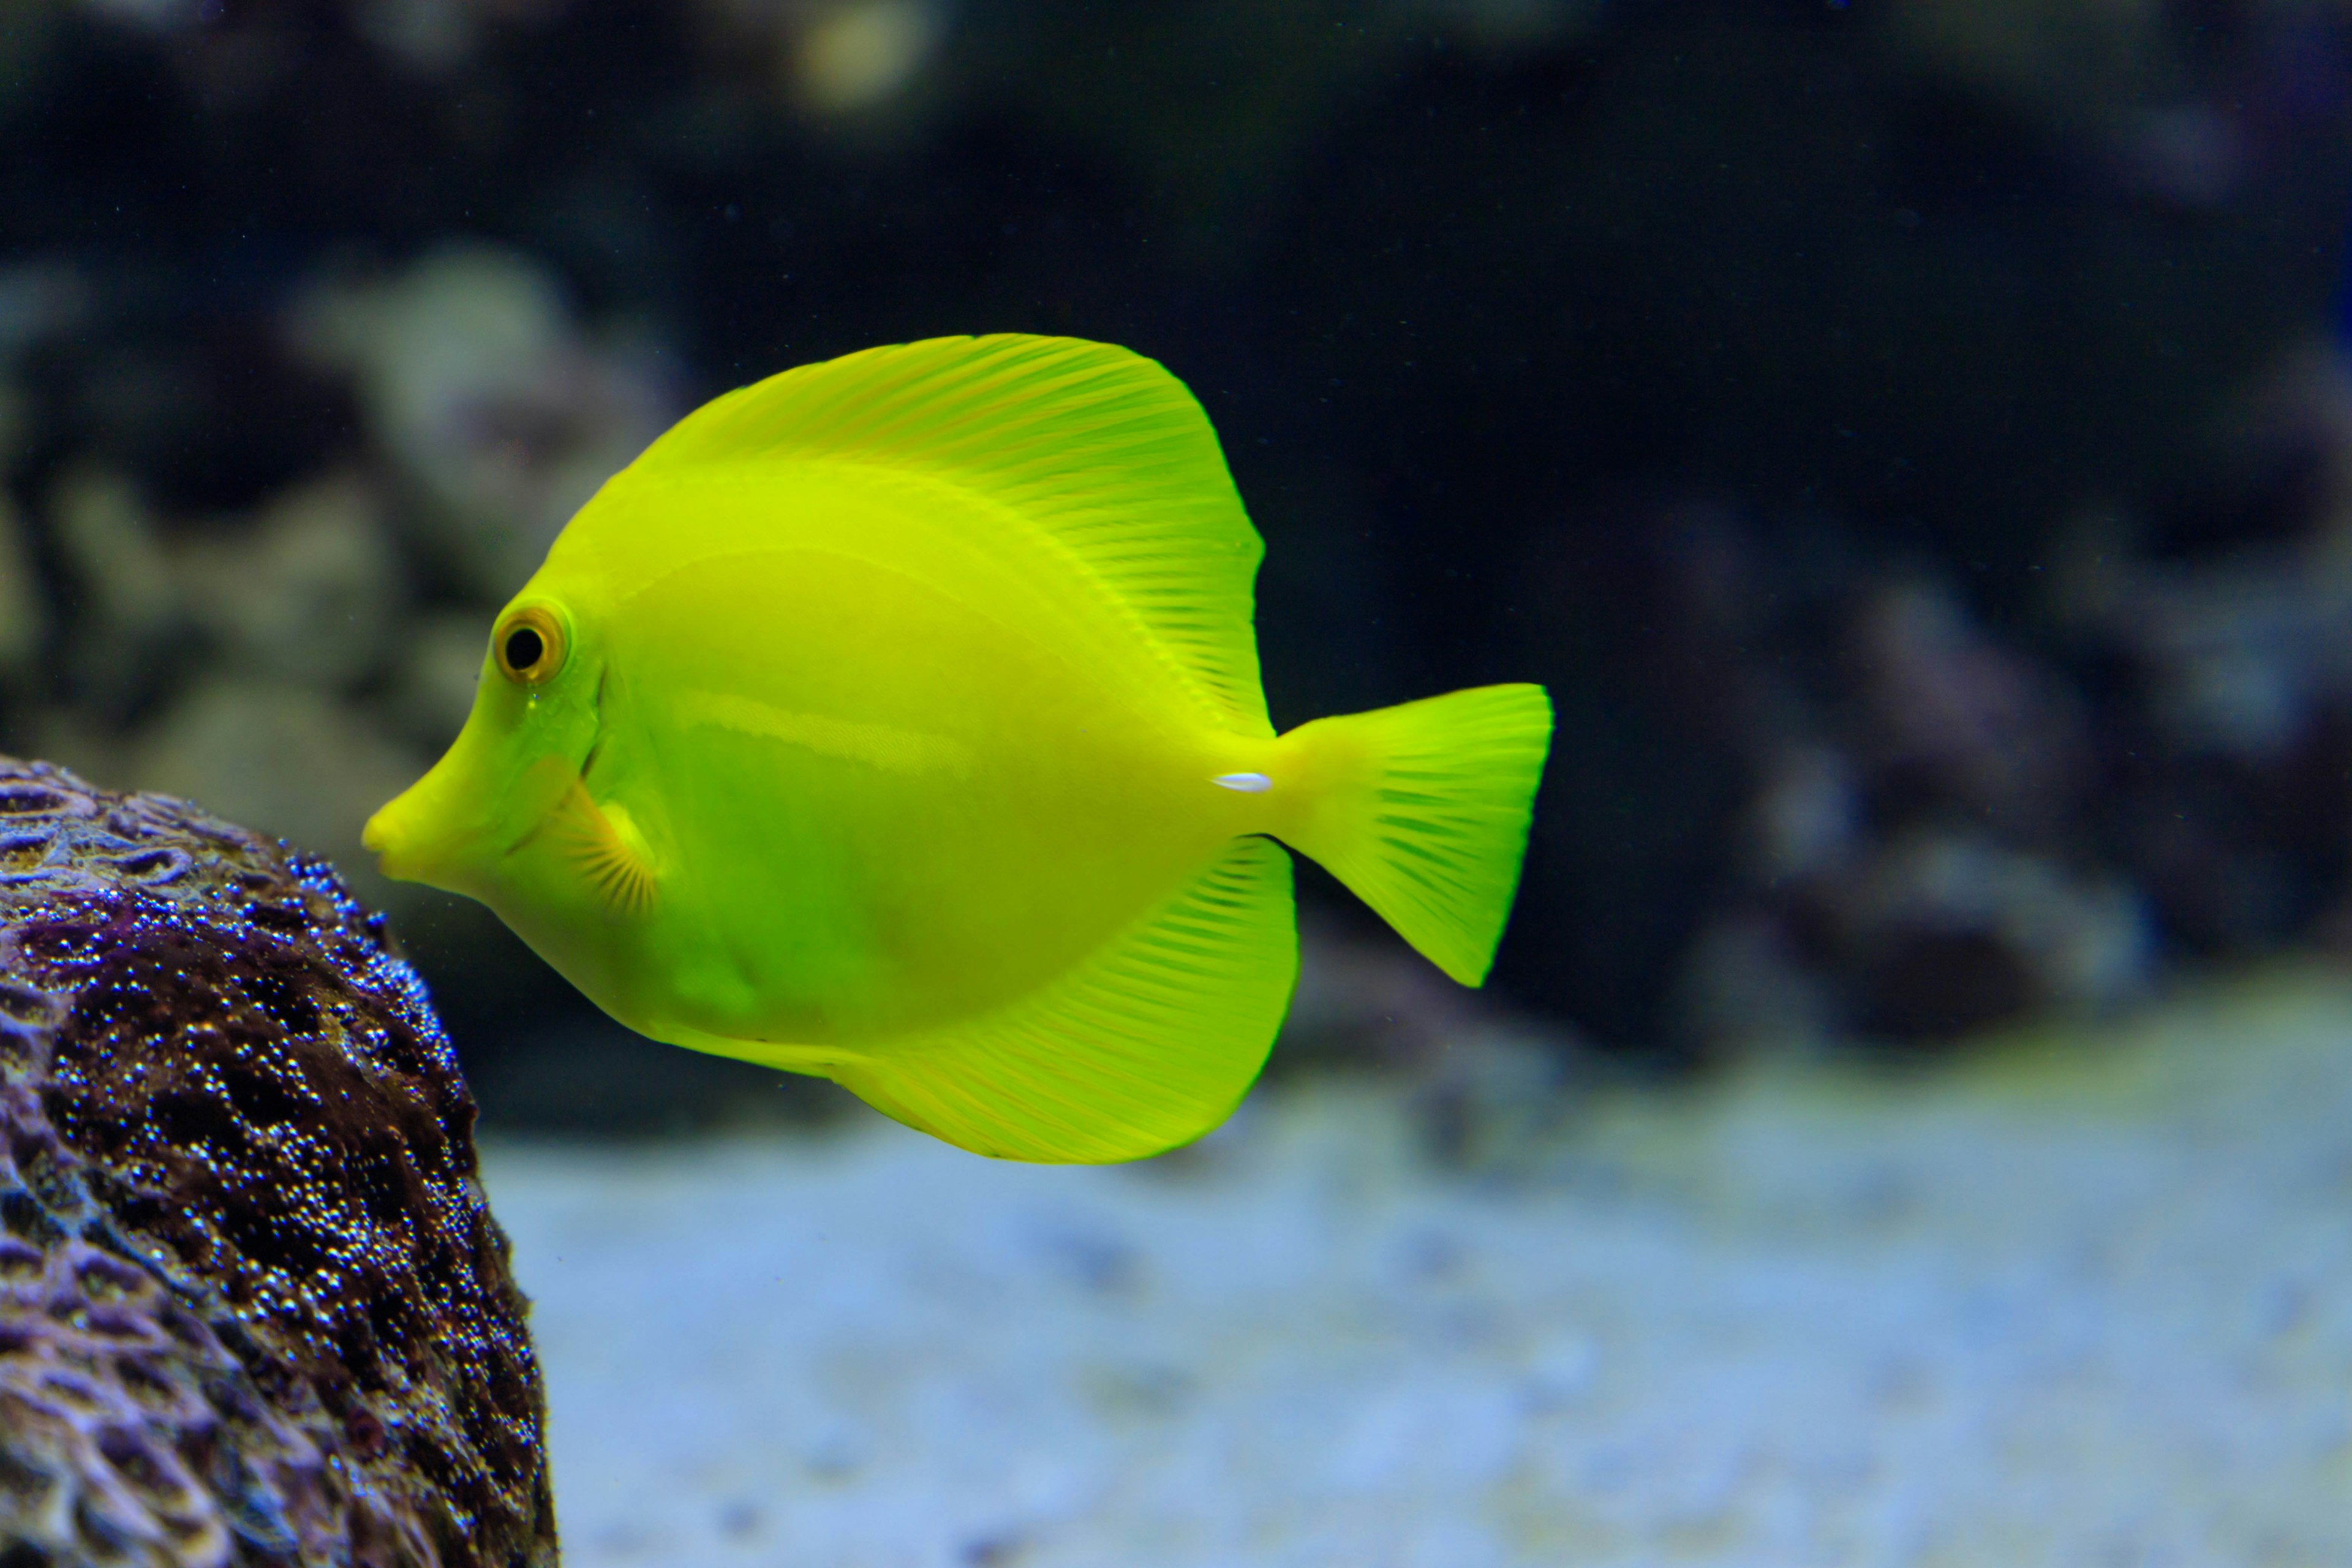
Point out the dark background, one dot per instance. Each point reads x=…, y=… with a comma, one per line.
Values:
x=1907, y=438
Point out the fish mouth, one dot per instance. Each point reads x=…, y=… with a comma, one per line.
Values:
x=425, y=833
x=393, y=836
x=448, y=831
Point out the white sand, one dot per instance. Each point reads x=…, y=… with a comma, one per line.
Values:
x=2096, y=1314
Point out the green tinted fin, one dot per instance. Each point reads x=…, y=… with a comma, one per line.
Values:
x=1097, y=452
x=1149, y=1043
x=1423, y=813
x=606, y=851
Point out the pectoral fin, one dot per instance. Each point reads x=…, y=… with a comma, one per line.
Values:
x=605, y=848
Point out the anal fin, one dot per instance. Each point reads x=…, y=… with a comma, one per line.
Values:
x=1147, y=1044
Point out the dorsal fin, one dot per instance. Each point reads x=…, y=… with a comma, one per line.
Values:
x=1100, y=450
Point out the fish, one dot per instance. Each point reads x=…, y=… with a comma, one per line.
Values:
x=897, y=718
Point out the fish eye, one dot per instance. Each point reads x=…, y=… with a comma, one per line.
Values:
x=530, y=646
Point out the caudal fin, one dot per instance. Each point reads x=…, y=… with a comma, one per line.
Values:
x=1421, y=810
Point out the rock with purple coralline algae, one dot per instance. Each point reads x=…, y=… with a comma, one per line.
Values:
x=253, y=1308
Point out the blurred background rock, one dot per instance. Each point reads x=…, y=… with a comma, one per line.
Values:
x=1910, y=438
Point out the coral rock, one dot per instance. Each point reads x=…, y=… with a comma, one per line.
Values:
x=253, y=1308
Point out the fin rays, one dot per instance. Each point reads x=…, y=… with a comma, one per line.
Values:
x=1148, y=1045
x=612, y=866
x=1431, y=824
x=1094, y=451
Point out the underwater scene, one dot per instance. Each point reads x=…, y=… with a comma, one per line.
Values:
x=1178, y=783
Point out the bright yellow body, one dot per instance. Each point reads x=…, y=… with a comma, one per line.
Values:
x=858, y=743
x=902, y=810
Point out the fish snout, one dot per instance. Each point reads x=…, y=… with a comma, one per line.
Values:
x=392, y=835
x=423, y=835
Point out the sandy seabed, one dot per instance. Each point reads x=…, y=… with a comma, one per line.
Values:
x=2088, y=1302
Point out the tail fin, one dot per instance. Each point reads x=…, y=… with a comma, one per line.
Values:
x=1421, y=810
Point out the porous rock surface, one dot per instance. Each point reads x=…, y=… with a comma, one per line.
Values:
x=253, y=1308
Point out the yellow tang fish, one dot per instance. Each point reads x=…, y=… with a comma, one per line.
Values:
x=897, y=719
